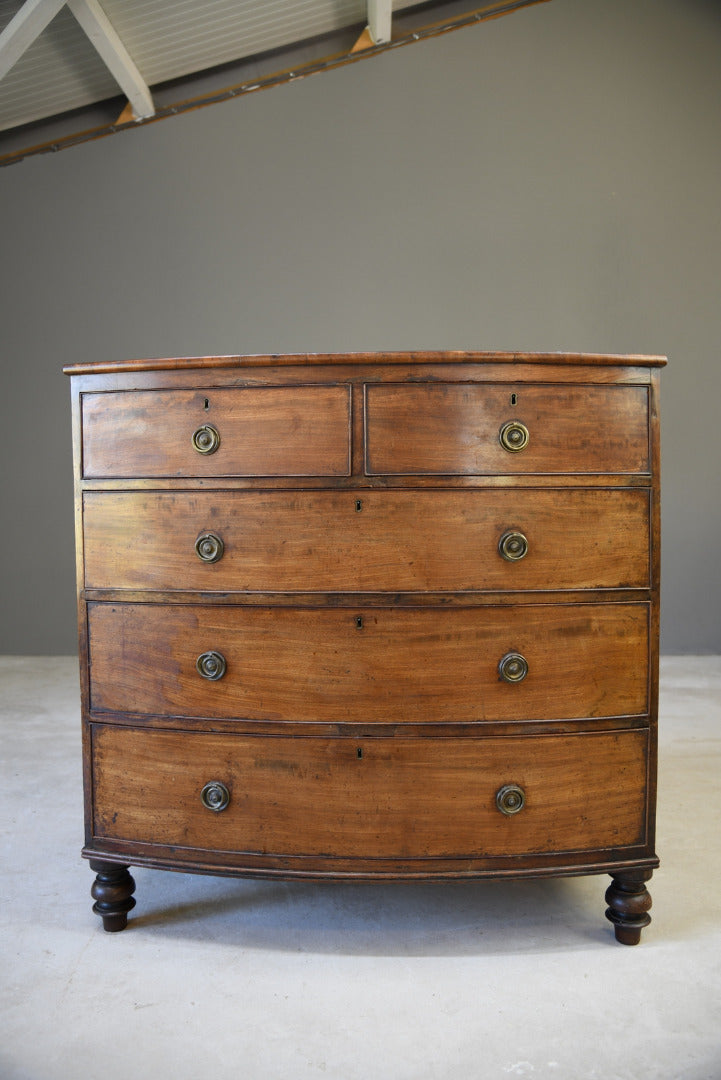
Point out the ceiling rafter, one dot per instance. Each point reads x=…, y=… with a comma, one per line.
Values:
x=170, y=103
x=114, y=55
x=34, y=16
x=380, y=16
x=23, y=28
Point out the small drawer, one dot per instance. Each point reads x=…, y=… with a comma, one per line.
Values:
x=477, y=429
x=373, y=666
x=250, y=431
x=368, y=541
x=370, y=798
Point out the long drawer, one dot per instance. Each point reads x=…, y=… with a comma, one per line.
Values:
x=380, y=665
x=367, y=540
x=373, y=798
x=250, y=431
x=466, y=428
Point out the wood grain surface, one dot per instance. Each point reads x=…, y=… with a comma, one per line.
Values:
x=416, y=357
x=453, y=428
x=319, y=541
x=264, y=431
x=397, y=666
x=398, y=797
x=362, y=606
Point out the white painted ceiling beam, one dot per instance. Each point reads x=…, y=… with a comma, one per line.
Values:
x=380, y=14
x=104, y=37
x=23, y=28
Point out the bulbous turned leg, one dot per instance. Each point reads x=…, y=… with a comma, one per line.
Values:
x=628, y=902
x=112, y=891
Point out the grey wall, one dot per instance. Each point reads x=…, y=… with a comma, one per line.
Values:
x=548, y=180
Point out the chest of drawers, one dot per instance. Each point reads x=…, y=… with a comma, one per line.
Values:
x=369, y=616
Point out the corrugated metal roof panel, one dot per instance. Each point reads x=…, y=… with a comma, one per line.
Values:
x=166, y=39
x=60, y=71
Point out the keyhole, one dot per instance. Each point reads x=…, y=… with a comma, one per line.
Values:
x=206, y=405
x=514, y=399
x=359, y=752
x=358, y=505
x=359, y=622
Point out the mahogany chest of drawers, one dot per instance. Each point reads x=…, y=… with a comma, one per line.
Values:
x=370, y=616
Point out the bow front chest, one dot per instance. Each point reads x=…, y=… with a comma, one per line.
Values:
x=369, y=616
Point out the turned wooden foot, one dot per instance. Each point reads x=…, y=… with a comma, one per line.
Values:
x=628, y=902
x=112, y=891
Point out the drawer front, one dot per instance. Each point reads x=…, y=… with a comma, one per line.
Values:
x=372, y=798
x=397, y=666
x=456, y=428
x=367, y=541
x=260, y=431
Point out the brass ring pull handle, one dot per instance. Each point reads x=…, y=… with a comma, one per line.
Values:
x=513, y=667
x=513, y=436
x=510, y=799
x=211, y=665
x=209, y=547
x=513, y=545
x=206, y=439
x=215, y=796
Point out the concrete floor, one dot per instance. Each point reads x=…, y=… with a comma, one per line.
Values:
x=219, y=978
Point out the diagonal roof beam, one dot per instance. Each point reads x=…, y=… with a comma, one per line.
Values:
x=34, y=16
x=26, y=25
x=380, y=14
x=116, y=57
